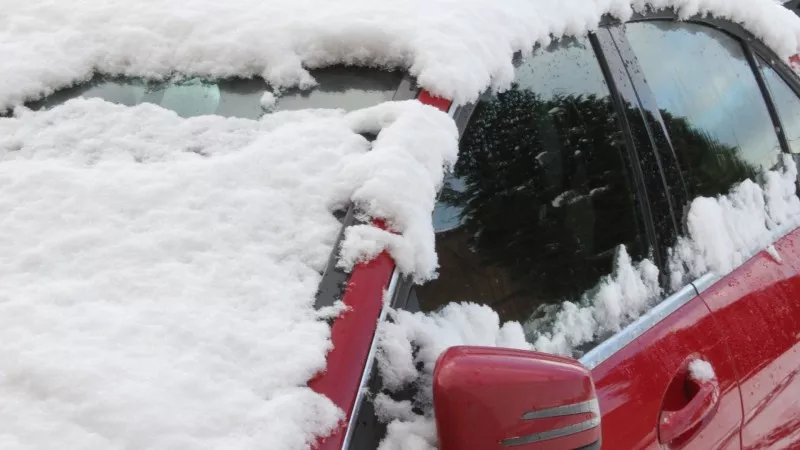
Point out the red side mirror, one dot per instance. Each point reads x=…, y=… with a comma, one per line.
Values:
x=489, y=398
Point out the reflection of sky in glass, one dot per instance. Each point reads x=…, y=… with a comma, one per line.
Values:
x=348, y=88
x=701, y=73
x=565, y=67
x=787, y=103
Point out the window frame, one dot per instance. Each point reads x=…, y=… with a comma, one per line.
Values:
x=751, y=47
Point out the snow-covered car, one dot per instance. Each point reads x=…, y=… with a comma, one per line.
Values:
x=433, y=227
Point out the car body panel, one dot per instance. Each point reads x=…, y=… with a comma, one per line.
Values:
x=758, y=308
x=351, y=336
x=632, y=384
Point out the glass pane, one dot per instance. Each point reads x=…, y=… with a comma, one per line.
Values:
x=348, y=88
x=787, y=103
x=710, y=102
x=540, y=197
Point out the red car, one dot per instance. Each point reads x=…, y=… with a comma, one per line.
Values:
x=615, y=134
x=628, y=130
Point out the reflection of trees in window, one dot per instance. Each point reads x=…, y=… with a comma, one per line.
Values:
x=545, y=202
x=545, y=198
x=709, y=167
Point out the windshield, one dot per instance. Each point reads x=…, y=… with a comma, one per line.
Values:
x=348, y=88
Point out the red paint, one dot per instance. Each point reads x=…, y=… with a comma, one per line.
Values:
x=637, y=385
x=480, y=395
x=758, y=308
x=351, y=335
x=437, y=102
x=352, y=332
x=674, y=425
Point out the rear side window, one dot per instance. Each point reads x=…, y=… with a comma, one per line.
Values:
x=541, y=196
x=786, y=102
x=339, y=87
x=710, y=102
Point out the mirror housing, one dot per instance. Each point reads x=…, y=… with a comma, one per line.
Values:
x=488, y=398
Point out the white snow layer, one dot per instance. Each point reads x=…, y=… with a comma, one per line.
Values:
x=157, y=274
x=723, y=232
x=701, y=370
x=454, y=48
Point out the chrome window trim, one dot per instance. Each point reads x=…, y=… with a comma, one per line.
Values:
x=628, y=334
x=612, y=345
x=365, y=375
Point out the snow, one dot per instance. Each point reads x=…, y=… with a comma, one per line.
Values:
x=725, y=231
x=268, y=100
x=454, y=52
x=701, y=371
x=154, y=289
x=773, y=252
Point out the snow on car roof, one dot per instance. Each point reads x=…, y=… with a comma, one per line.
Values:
x=157, y=274
x=454, y=49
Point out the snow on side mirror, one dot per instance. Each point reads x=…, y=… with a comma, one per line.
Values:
x=488, y=398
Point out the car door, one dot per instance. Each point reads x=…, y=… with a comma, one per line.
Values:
x=757, y=305
x=642, y=373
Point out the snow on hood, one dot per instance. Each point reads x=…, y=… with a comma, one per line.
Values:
x=155, y=290
x=454, y=48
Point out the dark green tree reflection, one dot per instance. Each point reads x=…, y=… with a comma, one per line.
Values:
x=544, y=196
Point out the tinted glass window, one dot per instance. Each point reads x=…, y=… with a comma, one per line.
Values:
x=339, y=87
x=710, y=102
x=541, y=195
x=787, y=103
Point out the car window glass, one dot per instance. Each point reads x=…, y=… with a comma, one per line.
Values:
x=710, y=102
x=339, y=87
x=541, y=196
x=786, y=102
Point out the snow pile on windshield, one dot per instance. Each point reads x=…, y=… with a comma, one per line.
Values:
x=154, y=289
x=456, y=50
x=723, y=232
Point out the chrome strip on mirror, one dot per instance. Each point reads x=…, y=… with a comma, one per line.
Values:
x=589, y=406
x=552, y=434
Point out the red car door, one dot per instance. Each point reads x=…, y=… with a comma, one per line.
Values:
x=648, y=380
x=746, y=324
x=758, y=308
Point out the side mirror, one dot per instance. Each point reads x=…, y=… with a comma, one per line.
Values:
x=488, y=398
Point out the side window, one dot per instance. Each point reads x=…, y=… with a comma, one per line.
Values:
x=710, y=102
x=339, y=87
x=541, y=196
x=787, y=103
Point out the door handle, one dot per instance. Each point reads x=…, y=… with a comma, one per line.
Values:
x=673, y=425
